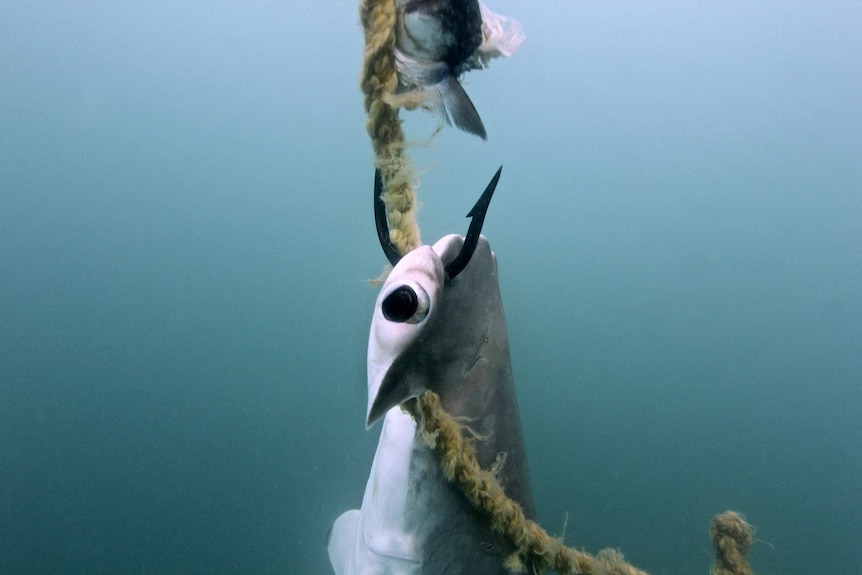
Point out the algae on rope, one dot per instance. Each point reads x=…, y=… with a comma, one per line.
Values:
x=379, y=81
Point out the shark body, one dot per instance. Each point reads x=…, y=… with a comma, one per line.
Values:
x=438, y=325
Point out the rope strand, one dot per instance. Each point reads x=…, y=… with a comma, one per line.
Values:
x=379, y=81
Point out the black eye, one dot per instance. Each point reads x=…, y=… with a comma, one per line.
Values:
x=400, y=305
x=407, y=303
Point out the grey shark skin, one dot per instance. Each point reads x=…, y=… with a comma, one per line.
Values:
x=455, y=343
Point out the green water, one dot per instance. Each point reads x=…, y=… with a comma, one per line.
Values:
x=185, y=227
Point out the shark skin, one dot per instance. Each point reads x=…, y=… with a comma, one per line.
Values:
x=450, y=338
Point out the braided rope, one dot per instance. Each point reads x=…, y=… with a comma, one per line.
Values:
x=378, y=81
x=533, y=546
x=732, y=538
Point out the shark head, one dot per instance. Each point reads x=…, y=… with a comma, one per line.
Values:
x=403, y=317
x=438, y=325
x=433, y=333
x=432, y=316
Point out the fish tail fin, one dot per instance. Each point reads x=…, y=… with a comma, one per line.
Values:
x=457, y=107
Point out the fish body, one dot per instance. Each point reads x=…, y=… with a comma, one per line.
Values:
x=450, y=338
x=438, y=40
x=440, y=33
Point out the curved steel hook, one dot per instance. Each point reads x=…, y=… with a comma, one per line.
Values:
x=382, y=223
x=456, y=266
x=478, y=212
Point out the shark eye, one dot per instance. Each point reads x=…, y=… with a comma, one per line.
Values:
x=405, y=304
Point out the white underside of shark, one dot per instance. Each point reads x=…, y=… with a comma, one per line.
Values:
x=388, y=537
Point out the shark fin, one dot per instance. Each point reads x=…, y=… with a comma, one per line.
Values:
x=341, y=539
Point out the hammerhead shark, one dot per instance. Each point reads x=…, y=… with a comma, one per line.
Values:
x=438, y=325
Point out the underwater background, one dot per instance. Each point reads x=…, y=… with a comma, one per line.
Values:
x=186, y=230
